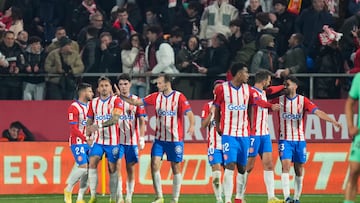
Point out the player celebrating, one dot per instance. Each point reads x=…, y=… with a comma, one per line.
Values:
x=170, y=106
x=260, y=141
x=354, y=159
x=103, y=116
x=78, y=142
x=292, y=145
x=132, y=129
x=232, y=99
x=215, y=155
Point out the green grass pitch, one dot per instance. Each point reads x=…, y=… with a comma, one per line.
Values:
x=149, y=198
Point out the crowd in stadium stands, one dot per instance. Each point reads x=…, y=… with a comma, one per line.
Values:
x=68, y=37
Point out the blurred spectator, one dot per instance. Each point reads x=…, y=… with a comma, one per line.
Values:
x=13, y=20
x=264, y=26
x=122, y=22
x=67, y=62
x=110, y=54
x=151, y=19
x=175, y=39
x=356, y=54
x=248, y=17
x=285, y=21
x=22, y=39
x=106, y=6
x=34, y=87
x=235, y=40
x=353, y=7
x=135, y=15
x=17, y=132
x=55, y=44
x=310, y=23
x=91, y=53
x=216, y=19
x=189, y=19
x=347, y=44
x=266, y=57
x=11, y=85
x=245, y=54
x=133, y=62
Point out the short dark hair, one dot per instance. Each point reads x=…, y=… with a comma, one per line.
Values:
x=83, y=86
x=235, y=22
x=122, y=10
x=124, y=76
x=299, y=37
x=60, y=28
x=92, y=31
x=263, y=18
x=235, y=68
x=34, y=39
x=104, y=78
x=262, y=75
x=16, y=125
x=167, y=78
x=155, y=29
x=176, y=32
x=293, y=79
x=107, y=34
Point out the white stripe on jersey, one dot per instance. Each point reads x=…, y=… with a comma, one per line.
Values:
x=260, y=117
x=82, y=109
x=168, y=122
x=214, y=139
x=235, y=122
x=292, y=118
x=129, y=124
x=102, y=112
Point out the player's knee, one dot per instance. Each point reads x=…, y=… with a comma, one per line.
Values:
x=230, y=166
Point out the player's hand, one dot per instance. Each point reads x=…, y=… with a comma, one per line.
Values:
x=117, y=90
x=218, y=130
x=92, y=128
x=190, y=130
x=275, y=107
x=90, y=140
x=353, y=131
x=141, y=142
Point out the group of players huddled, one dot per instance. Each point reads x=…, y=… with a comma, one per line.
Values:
x=237, y=124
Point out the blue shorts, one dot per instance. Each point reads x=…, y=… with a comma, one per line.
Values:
x=294, y=150
x=173, y=150
x=215, y=156
x=235, y=149
x=112, y=152
x=131, y=153
x=259, y=144
x=80, y=153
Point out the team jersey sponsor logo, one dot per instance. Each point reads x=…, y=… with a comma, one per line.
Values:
x=213, y=123
x=166, y=113
x=232, y=107
x=83, y=122
x=127, y=117
x=103, y=117
x=290, y=116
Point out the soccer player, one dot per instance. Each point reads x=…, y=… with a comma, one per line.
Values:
x=103, y=117
x=260, y=141
x=215, y=155
x=78, y=141
x=354, y=159
x=132, y=129
x=170, y=107
x=292, y=145
x=232, y=99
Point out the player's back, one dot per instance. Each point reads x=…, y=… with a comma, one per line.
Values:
x=77, y=115
x=259, y=116
x=214, y=139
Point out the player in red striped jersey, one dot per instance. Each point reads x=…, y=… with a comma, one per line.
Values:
x=103, y=116
x=260, y=141
x=132, y=129
x=170, y=106
x=215, y=155
x=78, y=142
x=292, y=145
x=231, y=116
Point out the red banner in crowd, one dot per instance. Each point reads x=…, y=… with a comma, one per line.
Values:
x=43, y=168
x=48, y=120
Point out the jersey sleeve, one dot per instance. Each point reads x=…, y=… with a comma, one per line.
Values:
x=140, y=111
x=355, y=87
x=218, y=96
x=309, y=105
x=205, y=111
x=118, y=106
x=256, y=99
x=275, y=100
x=274, y=89
x=73, y=115
x=184, y=105
x=90, y=113
x=150, y=99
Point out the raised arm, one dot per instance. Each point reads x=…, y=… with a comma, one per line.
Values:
x=326, y=117
x=349, y=112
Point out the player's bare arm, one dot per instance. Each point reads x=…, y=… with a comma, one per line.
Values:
x=324, y=116
x=206, y=122
x=89, y=127
x=132, y=101
x=191, y=118
x=114, y=118
x=142, y=132
x=349, y=112
x=217, y=120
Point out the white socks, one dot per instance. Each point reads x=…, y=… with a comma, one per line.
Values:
x=93, y=181
x=75, y=176
x=285, y=181
x=298, y=187
x=157, y=184
x=216, y=183
x=114, y=185
x=84, y=184
x=228, y=184
x=130, y=185
x=269, y=183
x=240, y=182
x=176, y=186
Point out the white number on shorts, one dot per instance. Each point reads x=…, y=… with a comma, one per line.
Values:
x=226, y=147
x=252, y=140
x=79, y=150
x=282, y=147
x=211, y=150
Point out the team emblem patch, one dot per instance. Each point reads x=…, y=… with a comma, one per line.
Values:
x=251, y=149
x=115, y=151
x=211, y=158
x=225, y=156
x=79, y=158
x=178, y=150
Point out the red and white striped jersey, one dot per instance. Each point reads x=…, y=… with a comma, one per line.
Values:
x=259, y=116
x=100, y=111
x=214, y=139
x=77, y=112
x=169, y=111
x=291, y=116
x=129, y=123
